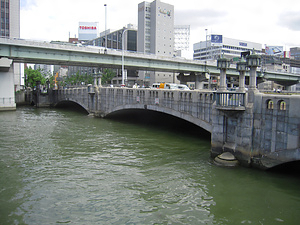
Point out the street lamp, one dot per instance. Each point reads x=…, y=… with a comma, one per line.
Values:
x=205, y=44
x=123, y=70
x=241, y=66
x=222, y=65
x=105, y=27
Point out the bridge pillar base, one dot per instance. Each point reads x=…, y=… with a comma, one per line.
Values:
x=216, y=149
x=7, y=92
x=242, y=155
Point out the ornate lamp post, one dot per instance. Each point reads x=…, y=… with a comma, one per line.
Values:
x=241, y=66
x=222, y=65
x=97, y=79
x=253, y=61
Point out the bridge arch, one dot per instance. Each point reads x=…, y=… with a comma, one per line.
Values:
x=280, y=158
x=72, y=105
x=156, y=108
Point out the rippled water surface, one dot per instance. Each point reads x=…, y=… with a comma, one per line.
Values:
x=63, y=167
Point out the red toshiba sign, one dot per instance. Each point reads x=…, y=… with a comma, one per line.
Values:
x=87, y=28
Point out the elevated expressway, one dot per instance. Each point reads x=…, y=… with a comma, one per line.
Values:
x=91, y=56
x=24, y=51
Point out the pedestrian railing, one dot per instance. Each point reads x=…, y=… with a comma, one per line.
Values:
x=230, y=100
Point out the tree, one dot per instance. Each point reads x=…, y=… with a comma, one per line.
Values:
x=32, y=76
x=108, y=75
x=78, y=79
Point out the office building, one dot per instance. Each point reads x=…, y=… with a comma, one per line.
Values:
x=45, y=69
x=114, y=39
x=156, y=28
x=295, y=53
x=10, y=28
x=217, y=45
x=10, y=18
x=156, y=36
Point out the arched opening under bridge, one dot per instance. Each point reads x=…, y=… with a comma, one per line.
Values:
x=70, y=105
x=289, y=168
x=159, y=120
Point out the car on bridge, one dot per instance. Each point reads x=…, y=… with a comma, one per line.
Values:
x=170, y=86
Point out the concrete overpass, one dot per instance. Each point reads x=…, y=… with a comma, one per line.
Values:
x=24, y=51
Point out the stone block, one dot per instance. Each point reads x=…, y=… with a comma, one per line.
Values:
x=267, y=145
x=280, y=126
x=294, y=106
x=293, y=129
x=268, y=124
x=280, y=146
x=217, y=129
x=268, y=134
x=293, y=141
x=245, y=141
x=257, y=123
x=232, y=121
x=280, y=137
x=281, y=118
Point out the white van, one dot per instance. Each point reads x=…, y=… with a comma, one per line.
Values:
x=170, y=86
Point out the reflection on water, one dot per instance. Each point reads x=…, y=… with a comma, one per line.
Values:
x=65, y=167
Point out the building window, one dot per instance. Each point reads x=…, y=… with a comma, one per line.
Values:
x=270, y=104
x=282, y=105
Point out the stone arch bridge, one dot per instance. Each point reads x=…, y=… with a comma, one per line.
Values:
x=260, y=130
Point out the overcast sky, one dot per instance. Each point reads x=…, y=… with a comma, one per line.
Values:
x=271, y=22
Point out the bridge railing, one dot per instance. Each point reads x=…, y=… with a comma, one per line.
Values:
x=230, y=99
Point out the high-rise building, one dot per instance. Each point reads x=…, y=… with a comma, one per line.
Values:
x=10, y=18
x=10, y=28
x=156, y=28
x=156, y=36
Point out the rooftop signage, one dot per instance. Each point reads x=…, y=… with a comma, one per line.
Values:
x=168, y=13
x=216, y=38
x=87, y=27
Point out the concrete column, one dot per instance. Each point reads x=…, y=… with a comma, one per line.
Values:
x=198, y=82
x=242, y=81
x=252, y=81
x=7, y=92
x=223, y=86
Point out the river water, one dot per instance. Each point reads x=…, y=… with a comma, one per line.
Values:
x=64, y=167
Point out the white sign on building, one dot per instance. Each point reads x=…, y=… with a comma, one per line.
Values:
x=87, y=31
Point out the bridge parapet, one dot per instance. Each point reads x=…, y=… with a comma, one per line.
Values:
x=231, y=100
x=193, y=106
